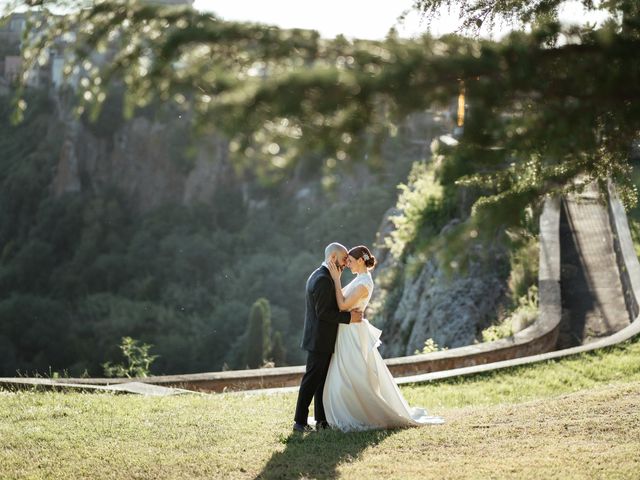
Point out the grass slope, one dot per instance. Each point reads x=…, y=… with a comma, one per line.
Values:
x=574, y=418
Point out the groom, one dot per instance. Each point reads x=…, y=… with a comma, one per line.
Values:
x=321, y=320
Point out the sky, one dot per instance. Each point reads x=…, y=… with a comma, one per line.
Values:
x=370, y=19
x=353, y=18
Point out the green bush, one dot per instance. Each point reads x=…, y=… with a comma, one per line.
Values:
x=258, y=344
x=278, y=351
x=137, y=357
x=425, y=207
x=430, y=346
x=523, y=315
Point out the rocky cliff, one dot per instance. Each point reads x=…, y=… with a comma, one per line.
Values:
x=144, y=158
x=418, y=298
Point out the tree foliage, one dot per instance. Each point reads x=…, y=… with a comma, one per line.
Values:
x=475, y=14
x=278, y=350
x=258, y=334
x=545, y=107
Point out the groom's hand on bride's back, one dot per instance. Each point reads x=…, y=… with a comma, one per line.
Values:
x=356, y=316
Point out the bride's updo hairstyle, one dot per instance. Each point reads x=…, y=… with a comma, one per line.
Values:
x=363, y=252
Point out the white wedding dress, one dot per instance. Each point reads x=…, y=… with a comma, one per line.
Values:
x=360, y=392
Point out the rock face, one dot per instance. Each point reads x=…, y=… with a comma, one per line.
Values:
x=448, y=310
x=449, y=305
x=67, y=178
x=143, y=160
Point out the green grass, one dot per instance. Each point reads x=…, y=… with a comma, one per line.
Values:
x=575, y=418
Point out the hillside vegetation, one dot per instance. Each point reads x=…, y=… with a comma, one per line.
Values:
x=117, y=257
x=83, y=269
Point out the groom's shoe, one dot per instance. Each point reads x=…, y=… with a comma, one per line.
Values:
x=297, y=427
x=323, y=426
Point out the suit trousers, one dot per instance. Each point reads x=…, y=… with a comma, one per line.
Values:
x=311, y=386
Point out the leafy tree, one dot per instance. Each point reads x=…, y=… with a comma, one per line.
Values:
x=32, y=329
x=475, y=14
x=278, y=352
x=266, y=327
x=258, y=334
x=544, y=108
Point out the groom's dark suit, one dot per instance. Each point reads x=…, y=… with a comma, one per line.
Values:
x=321, y=320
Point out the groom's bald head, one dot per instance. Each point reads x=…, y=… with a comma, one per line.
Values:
x=334, y=247
x=337, y=252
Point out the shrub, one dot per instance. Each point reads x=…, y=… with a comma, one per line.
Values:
x=430, y=346
x=258, y=334
x=137, y=357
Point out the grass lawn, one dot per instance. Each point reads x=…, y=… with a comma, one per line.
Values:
x=574, y=418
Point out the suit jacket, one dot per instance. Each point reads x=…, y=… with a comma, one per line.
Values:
x=322, y=315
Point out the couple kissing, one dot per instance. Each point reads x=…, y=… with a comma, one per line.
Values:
x=345, y=376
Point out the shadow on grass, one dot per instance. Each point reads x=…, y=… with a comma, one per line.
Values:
x=317, y=454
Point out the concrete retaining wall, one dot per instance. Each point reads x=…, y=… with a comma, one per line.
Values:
x=625, y=252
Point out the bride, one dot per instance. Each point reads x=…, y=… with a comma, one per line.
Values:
x=360, y=392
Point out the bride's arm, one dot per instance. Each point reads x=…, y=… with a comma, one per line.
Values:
x=348, y=302
x=354, y=297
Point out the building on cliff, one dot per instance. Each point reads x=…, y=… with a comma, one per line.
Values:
x=51, y=73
